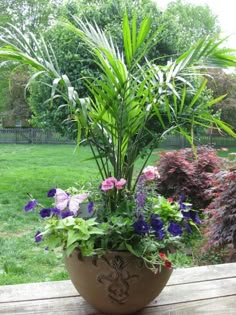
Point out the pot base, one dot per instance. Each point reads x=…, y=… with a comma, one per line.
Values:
x=116, y=283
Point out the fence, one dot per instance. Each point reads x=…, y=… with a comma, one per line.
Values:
x=39, y=136
x=32, y=136
x=212, y=140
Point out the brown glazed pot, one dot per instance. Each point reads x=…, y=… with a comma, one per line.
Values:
x=116, y=283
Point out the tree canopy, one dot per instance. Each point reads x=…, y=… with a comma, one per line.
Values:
x=27, y=16
x=74, y=59
x=187, y=23
x=128, y=92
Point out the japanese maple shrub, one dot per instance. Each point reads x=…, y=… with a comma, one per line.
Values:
x=182, y=174
x=221, y=222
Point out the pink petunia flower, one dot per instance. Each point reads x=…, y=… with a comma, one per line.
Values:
x=151, y=172
x=109, y=183
x=120, y=184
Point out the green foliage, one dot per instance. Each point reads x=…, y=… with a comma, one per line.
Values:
x=224, y=83
x=77, y=62
x=187, y=23
x=128, y=91
x=72, y=233
x=4, y=88
x=34, y=168
x=14, y=106
x=146, y=230
x=27, y=15
x=29, y=169
x=114, y=117
x=75, y=59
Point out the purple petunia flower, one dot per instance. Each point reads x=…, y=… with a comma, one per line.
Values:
x=141, y=199
x=38, y=237
x=51, y=192
x=156, y=223
x=195, y=217
x=160, y=234
x=45, y=212
x=181, y=198
x=55, y=211
x=31, y=205
x=185, y=206
x=186, y=214
x=188, y=227
x=141, y=226
x=90, y=207
x=66, y=214
x=175, y=229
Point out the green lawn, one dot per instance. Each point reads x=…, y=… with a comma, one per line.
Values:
x=35, y=169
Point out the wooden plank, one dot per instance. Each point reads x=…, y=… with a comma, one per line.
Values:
x=203, y=273
x=171, y=295
x=196, y=291
x=34, y=291
x=77, y=306
x=218, y=306
x=44, y=290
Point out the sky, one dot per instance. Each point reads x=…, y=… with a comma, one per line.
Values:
x=225, y=10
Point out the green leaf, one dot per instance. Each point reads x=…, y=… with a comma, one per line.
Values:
x=132, y=250
x=143, y=31
x=127, y=40
x=72, y=237
x=70, y=249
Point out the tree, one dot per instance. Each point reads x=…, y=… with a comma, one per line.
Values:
x=16, y=110
x=128, y=92
x=221, y=83
x=187, y=23
x=74, y=59
x=27, y=16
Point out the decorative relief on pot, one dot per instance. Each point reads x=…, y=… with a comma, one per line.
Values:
x=117, y=281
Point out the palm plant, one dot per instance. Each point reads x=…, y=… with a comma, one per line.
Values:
x=130, y=93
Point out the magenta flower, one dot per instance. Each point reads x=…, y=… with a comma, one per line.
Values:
x=109, y=183
x=120, y=183
x=151, y=172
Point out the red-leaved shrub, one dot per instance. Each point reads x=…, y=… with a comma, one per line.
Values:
x=183, y=174
x=221, y=222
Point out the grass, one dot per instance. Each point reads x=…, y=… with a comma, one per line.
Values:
x=35, y=169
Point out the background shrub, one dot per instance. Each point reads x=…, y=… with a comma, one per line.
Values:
x=221, y=222
x=183, y=174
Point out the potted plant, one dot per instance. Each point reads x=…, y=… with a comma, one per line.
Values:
x=119, y=250
x=131, y=106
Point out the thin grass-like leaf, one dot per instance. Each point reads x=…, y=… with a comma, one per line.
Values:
x=127, y=41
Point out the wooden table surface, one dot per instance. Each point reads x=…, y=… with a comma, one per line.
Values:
x=200, y=290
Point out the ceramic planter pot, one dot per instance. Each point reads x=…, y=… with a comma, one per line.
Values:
x=117, y=283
